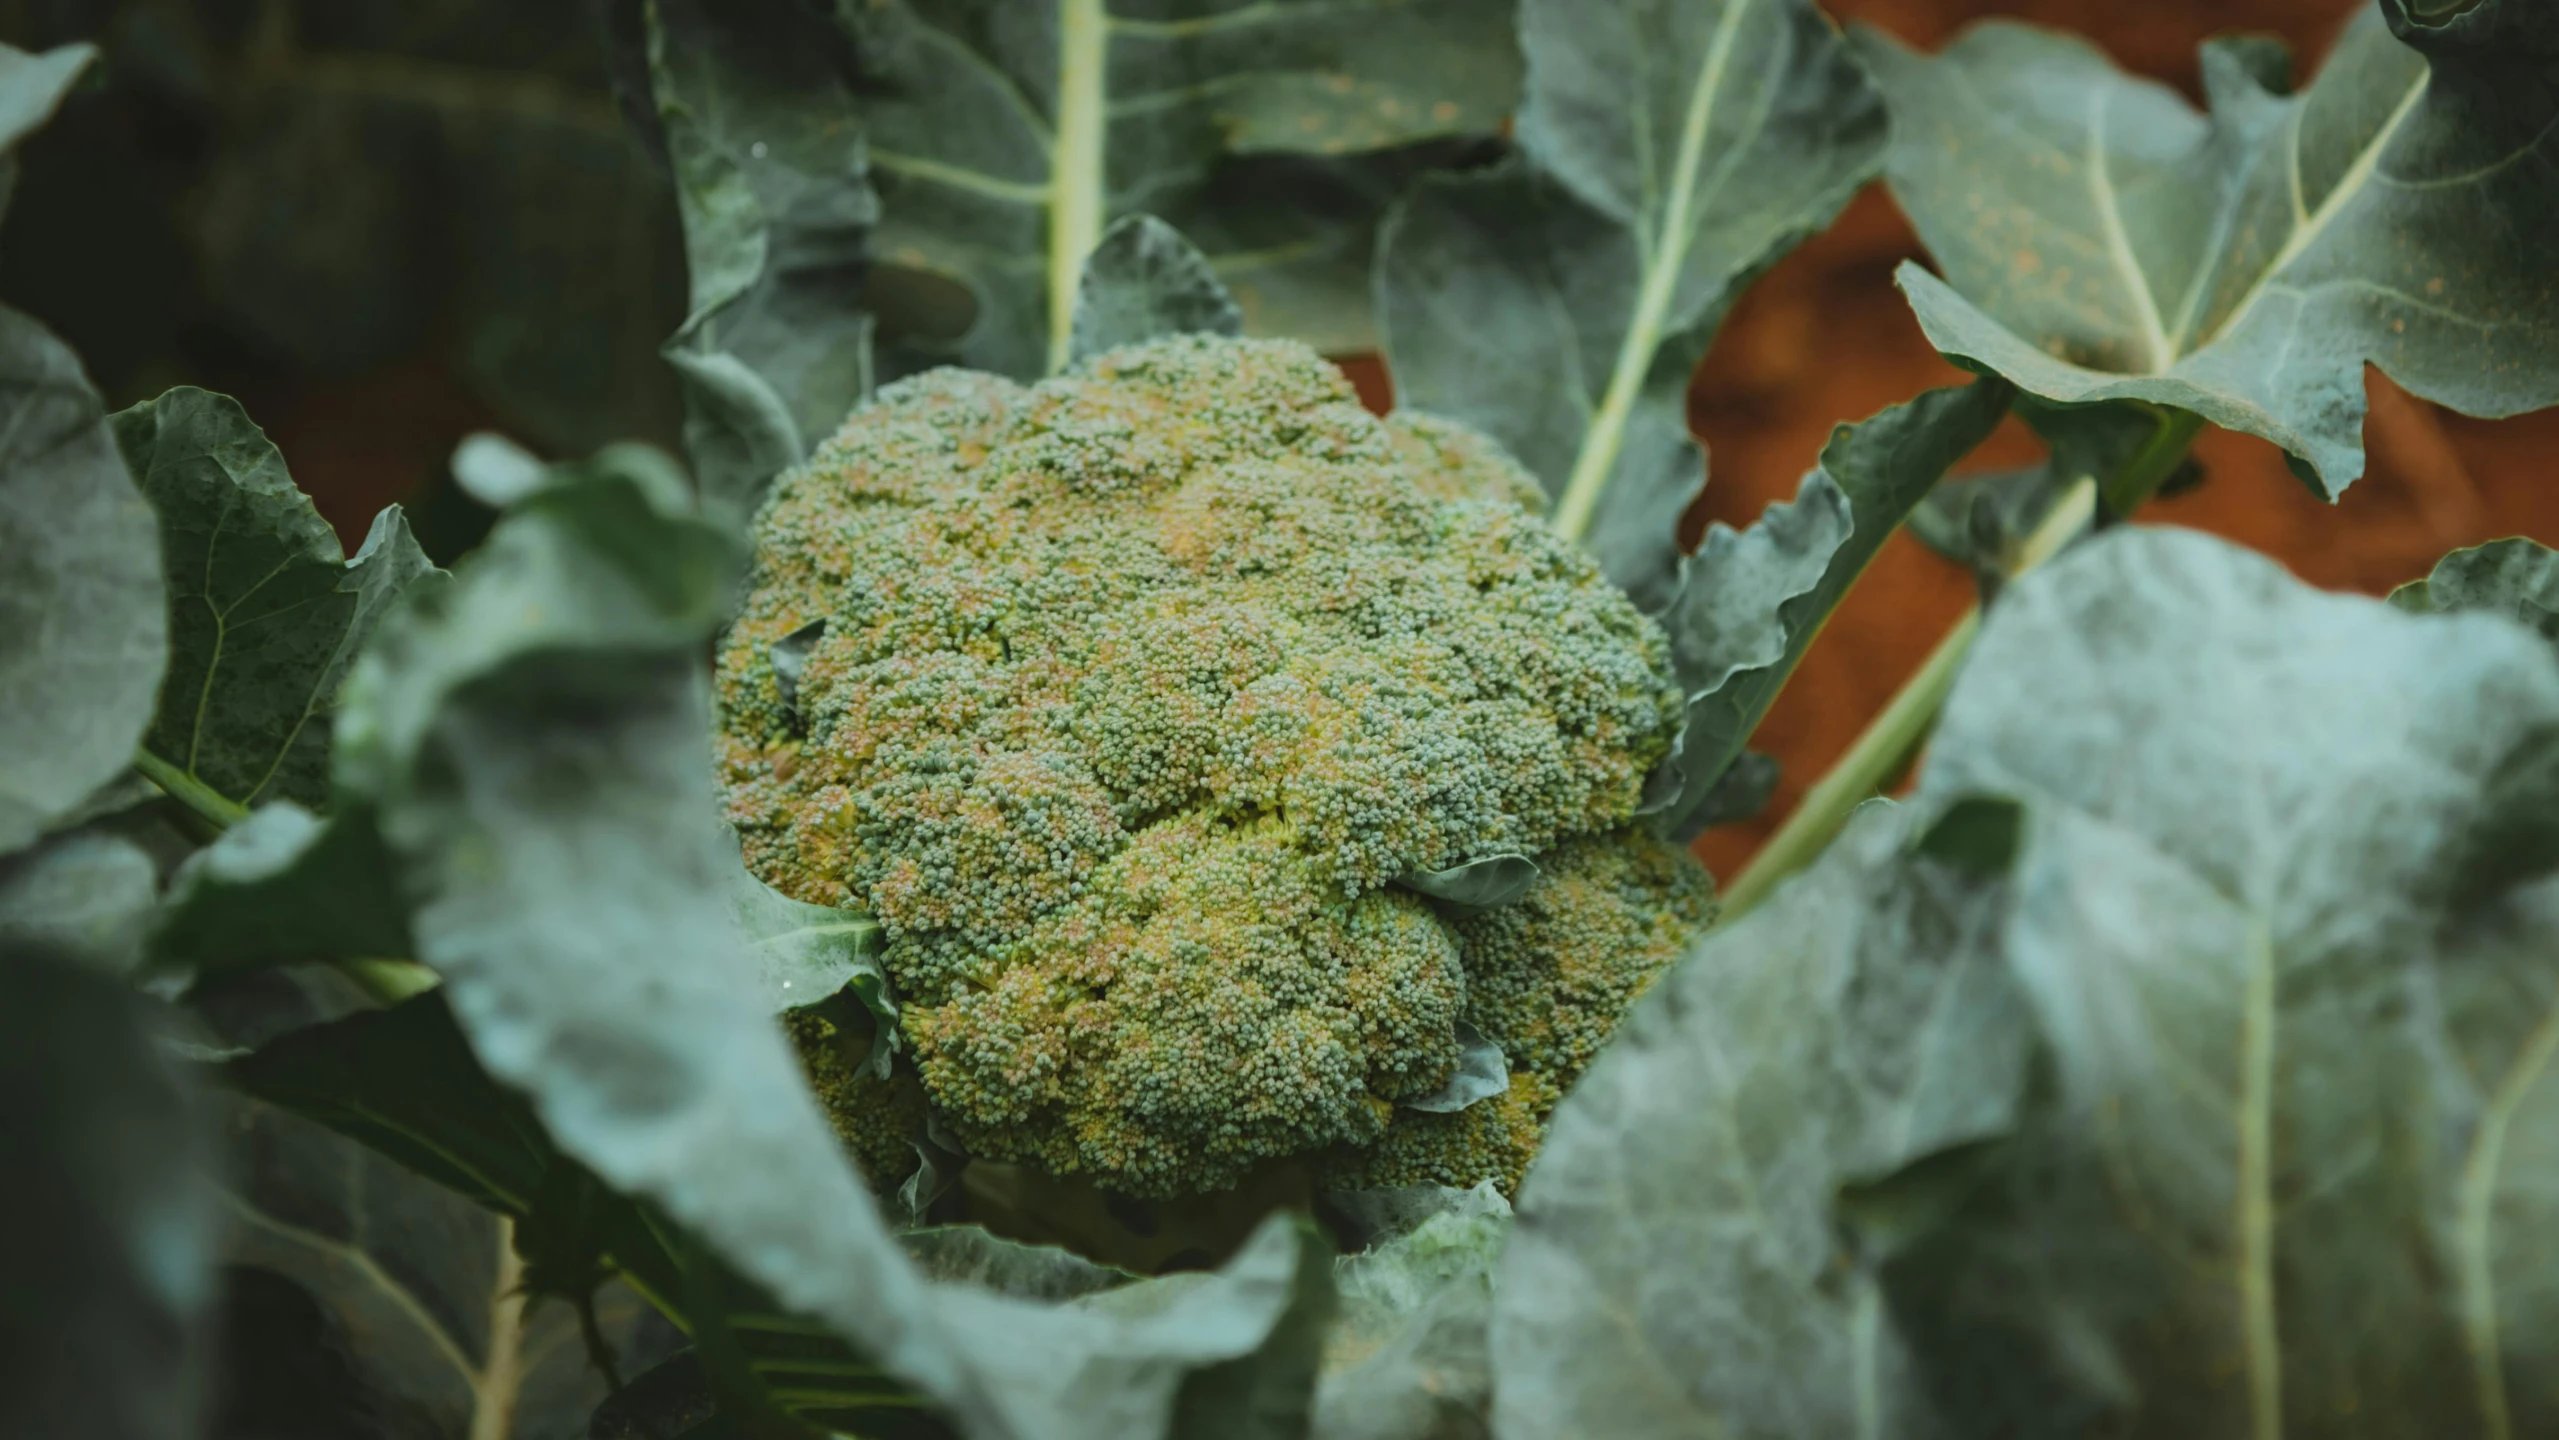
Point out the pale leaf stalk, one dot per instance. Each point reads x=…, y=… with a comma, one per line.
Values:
x=1888, y=740
x=1892, y=736
x=1076, y=173
x=208, y=804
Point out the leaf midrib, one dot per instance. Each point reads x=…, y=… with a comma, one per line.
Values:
x=2479, y=1176
x=1663, y=251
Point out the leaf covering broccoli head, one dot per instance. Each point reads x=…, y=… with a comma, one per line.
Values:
x=1122, y=699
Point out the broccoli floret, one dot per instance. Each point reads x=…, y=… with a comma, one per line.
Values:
x=1547, y=979
x=1122, y=699
x=878, y=1119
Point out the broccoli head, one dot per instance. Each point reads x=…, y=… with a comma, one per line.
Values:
x=1122, y=701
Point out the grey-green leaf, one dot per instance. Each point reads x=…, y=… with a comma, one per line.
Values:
x=1675, y=1268
x=266, y=613
x=1486, y=883
x=1559, y=302
x=968, y=1255
x=535, y=739
x=2295, y=1162
x=778, y=214
x=283, y=887
x=108, y=1250
x=1408, y=1358
x=1003, y=150
x=83, y=629
x=2515, y=577
x=2099, y=240
x=1482, y=1072
x=86, y=894
x=1750, y=601
x=805, y=953
x=1145, y=281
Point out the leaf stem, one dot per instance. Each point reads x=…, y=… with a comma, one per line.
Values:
x=1888, y=740
x=210, y=805
x=1078, y=162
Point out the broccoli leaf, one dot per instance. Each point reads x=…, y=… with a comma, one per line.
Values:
x=778, y=213
x=2101, y=241
x=424, y=1294
x=1481, y=884
x=82, y=626
x=1560, y=301
x=1144, y=281
x=968, y=1255
x=1003, y=150
x=805, y=953
x=1750, y=601
x=265, y=611
x=533, y=738
x=1408, y=1360
x=84, y=893
x=109, y=1243
x=2516, y=578
x=1675, y=1268
x=2284, y=914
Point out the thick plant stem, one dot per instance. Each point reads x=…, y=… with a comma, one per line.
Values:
x=1888, y=740
x=1879, y=750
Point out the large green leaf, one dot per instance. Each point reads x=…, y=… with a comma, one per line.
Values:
x=1677, y=1267
x=112, y=1223
x=1559, y=302
x=2285, y=915
x=534, y=740
x=1004, y=142
x=422, y=1298
x=266, y=612
x=82, y=625
x=85, y=893
x=2099, y=240
x=2515, y=577
x=382, y=177
x=1409, y=1358
x=778, y=212
x=283, y=887
x=1750, y=601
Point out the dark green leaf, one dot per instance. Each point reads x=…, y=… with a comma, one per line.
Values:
x=2293, y=1172
x=778, y=212
x=1408, y=1359
x=265, y=611
x=112, y=1221
x=1674, y=1269
x=1559, y=303
x=1004, y=150
x=283, y=888
x=2516, y=578
x=424, y=1291
x=1145, y=281
x=83, y=629
x=455, y=178
x=1750, y=601
x=2101, y=241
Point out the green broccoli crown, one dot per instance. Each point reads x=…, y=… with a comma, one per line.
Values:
x=1120, y=700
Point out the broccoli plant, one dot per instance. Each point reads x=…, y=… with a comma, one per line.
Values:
x=1057, y=876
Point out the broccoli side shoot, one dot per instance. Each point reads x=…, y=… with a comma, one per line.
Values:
x=1121, y=700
